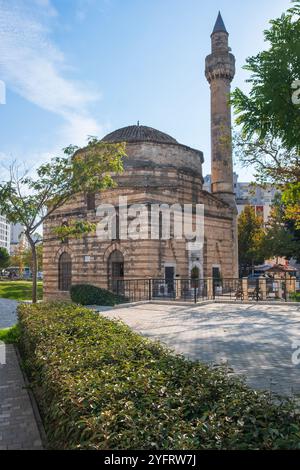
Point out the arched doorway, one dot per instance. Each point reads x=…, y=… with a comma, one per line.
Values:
x=64, y=272
x=116, y=272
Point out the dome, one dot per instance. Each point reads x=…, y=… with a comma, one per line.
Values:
x=139, y=134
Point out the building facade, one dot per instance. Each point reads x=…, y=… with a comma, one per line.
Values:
x=4, y=233
x=247, y=194
x=18, y=240
x=157, y=170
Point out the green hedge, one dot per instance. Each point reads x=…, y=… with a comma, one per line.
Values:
x=99, y=385
x=86, y=294
x=295, y=297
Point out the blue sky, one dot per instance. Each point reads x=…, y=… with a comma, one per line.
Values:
x=74, y=68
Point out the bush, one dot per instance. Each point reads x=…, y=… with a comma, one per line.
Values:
x=86, y=294
x=99, y=385
x=295, y=297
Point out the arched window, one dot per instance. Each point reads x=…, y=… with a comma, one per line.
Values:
x=65, y=272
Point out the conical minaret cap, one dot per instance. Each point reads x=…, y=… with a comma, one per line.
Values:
x=219, y=26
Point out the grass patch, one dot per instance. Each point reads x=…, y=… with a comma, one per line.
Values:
x=10, y=335
x=99, y=386
x=19, y=290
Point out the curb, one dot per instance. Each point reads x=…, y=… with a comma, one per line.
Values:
x=33, y=402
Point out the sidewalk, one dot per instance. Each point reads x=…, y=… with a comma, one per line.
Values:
x=18, y=428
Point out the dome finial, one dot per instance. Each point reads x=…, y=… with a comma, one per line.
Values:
x=219, y=26
x=138, y=123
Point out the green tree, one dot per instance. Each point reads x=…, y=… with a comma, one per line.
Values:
x=291, y=200
x=281, y=239
x=17, y=258
x=269, y=109
x=273, y=164
x=250, y=236
x=269, y=116
x=4, y=258
x=28, y=259
x=30, y=200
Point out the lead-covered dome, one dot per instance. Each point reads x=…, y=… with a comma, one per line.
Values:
x=139, y=134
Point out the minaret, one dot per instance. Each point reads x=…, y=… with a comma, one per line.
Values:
x=219, y=71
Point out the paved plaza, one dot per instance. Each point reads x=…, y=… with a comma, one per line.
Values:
x=255, y=340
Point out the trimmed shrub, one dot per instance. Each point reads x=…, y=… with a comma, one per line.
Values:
x=86, y=294
x=99, y=385
x=295, y=297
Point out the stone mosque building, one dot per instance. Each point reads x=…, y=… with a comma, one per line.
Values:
x=157, y=170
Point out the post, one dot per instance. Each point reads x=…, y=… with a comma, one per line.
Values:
x=292, y=288
x=178, y=288
x=150, y=289
x=278, y=281
x=263, y=287
x=210, y=288
x=245, y=288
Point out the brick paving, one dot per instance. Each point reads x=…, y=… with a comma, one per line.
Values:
x=18, y=427
x=255, y=340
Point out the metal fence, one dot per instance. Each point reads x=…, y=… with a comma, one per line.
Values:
x=135, y=290
x=196, y=290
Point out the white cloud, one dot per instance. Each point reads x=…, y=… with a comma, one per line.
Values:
x=48, y=7
x=32, y=66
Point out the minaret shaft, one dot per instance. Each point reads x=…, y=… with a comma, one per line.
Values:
x=219, y=71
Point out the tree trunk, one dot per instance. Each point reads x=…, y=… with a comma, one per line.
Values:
x=34, y=269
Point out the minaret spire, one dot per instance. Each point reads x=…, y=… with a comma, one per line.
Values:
x=219, y=26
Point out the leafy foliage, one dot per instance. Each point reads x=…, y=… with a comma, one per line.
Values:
x=99, y=385
x=270, y=120
x=281, y=238
x=4, y=258
x=269, y=110
x=295, y=297
x=272, y=162
x=31, y=200
x=250, y=236
x=274, y=165
x=86, y=294
x=291, y=200
x=22, y=257
x=74, y=229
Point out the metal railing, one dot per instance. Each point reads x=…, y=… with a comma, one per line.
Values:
x=135, y=290
x=197, y=290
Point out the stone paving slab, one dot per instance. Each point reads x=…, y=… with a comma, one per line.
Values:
x=255, y=340
x=18, y=428
x=8, y=313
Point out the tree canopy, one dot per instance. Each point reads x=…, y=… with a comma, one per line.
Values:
x=269, y=116
x=250, y=234
x=4, y=258
x=30, y=200
x=269, y=108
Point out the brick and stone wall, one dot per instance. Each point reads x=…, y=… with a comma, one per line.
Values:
x=154, y=173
